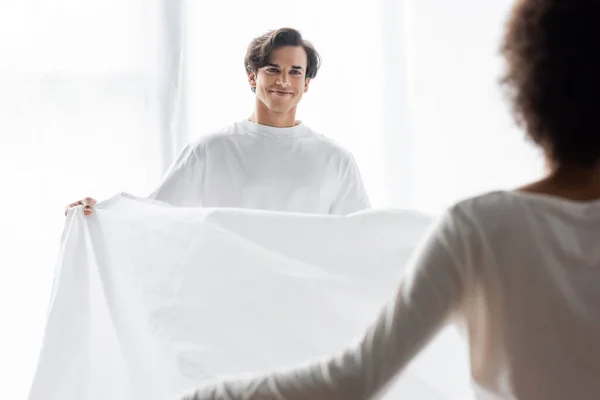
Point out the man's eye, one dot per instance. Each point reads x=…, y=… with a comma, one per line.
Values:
x=296, y=72
x=273, y=70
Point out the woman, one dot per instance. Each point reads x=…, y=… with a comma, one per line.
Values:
x=519, y=269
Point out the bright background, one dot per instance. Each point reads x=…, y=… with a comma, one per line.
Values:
x=98, y=97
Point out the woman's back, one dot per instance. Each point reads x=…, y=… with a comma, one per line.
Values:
x=532, y=294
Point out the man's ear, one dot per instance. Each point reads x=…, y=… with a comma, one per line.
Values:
x=306, y=83
x=252, y=80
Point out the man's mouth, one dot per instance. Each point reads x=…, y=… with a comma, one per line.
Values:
x=281, y=92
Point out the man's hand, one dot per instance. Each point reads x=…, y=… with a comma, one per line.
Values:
x=88, y=205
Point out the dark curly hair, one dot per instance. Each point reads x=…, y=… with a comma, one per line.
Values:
x=552, y=52
x=260, y=49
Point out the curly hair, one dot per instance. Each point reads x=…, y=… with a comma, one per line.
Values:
x=552, y=52
x=260, y=49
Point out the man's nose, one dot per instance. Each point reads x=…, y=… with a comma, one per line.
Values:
x=283, y=79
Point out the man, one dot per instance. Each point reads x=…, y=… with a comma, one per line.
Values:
x=269, y=161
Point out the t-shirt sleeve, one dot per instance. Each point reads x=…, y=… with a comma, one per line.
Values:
x=352, y=196
x=427, y=296
x=183, y=182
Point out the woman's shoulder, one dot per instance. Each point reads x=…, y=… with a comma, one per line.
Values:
x=491, y=211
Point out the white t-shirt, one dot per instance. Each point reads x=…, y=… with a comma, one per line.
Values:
x=248, y=165
x=519, y=272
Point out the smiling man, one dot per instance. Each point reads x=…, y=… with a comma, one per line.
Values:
x=269, y=161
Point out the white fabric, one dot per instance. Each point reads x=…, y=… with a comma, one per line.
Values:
x=520, y=271
x=150, y=300
x=248, y=165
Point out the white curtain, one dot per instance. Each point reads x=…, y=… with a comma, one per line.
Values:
x=98, y=96
x=461, y=139
x=88, y=107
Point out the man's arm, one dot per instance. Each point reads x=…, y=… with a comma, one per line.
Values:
x=183, y=182
x=352, y=196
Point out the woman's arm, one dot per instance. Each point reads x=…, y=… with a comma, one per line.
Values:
x=429, y=292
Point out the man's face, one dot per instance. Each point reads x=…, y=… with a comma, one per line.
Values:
x=282, y=82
